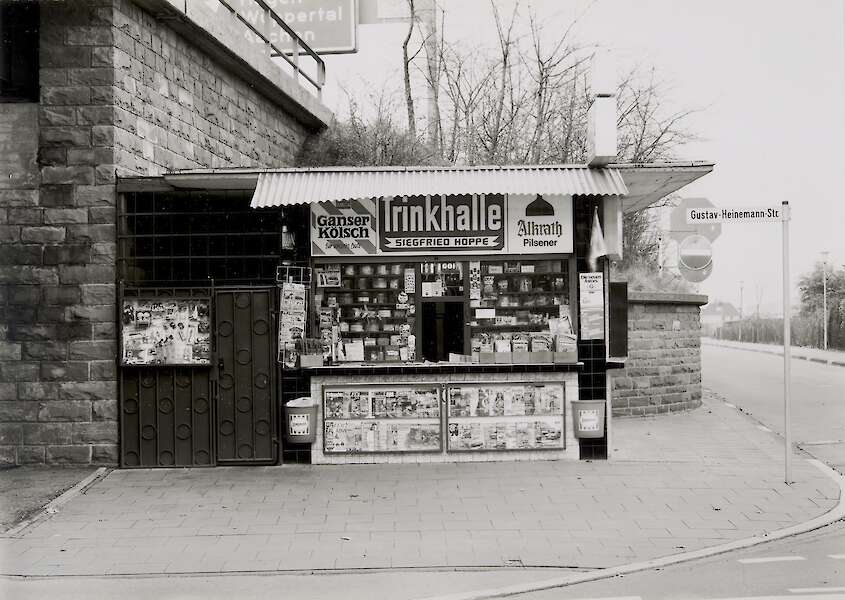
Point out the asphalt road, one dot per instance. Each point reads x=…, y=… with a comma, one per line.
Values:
x=802, y=567
x=753, y=381
x=809, y=566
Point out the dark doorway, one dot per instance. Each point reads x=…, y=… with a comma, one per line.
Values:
x=442, y=330
x=246, y=377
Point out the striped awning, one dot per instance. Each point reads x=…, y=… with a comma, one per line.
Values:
x=306, y=186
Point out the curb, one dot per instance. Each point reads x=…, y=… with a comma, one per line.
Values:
x=837, y=513
x=823, y=361
x=53, y=506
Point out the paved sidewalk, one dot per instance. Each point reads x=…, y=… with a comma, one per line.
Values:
x=830, y=357
x=678, y=482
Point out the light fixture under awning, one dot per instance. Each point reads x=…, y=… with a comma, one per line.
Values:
x=306, y=186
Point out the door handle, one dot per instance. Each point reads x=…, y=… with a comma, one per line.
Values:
x=220, y=364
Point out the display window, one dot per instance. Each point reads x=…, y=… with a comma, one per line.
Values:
x=509, y=311
x=386, y=418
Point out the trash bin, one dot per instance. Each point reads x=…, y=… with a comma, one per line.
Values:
x=300, y=421
x=588, y=418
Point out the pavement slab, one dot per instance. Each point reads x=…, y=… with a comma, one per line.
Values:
x=675, y=483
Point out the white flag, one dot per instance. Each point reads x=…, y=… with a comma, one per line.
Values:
x=597, y=246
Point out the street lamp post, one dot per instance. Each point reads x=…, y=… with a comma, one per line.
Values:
x=824, y=296
x=740, y=311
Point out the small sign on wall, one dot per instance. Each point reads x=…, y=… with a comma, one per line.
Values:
x=299, y=424
x=591, y=295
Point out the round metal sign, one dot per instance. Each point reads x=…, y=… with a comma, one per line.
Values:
x=695, y=275
x=695, y=252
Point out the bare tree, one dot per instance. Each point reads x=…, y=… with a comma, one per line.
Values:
x=367, y=141
x=406, y=70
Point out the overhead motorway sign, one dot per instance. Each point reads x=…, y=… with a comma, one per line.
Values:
x=328, y=26
x=753, y=214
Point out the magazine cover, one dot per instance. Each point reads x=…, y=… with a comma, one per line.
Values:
x=428, y=403
x=336, y=405
x=359, y=404
x=342, y=436
x=524, y=433
x=172, y=331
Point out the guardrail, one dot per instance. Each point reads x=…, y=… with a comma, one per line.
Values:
x=262, y=20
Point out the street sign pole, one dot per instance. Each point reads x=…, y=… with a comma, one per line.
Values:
x=705, y=214
x=787, y=346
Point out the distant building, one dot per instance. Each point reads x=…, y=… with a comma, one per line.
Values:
x=714, y=316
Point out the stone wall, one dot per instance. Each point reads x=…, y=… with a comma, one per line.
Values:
x=663, y=370
x=175, y=108
x=121, y=92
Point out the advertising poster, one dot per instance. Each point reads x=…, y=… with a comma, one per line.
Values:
x=441, y=223
x=381, y=419
x=539, y=224
x=165, y=331
x=591, y=294
x=344, y=228
x=419, y=225
x=328, y=276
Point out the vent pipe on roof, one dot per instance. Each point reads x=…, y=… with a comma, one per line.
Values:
x=601, y=116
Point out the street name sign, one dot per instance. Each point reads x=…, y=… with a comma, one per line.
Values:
x=754, y=214
x=759, y=214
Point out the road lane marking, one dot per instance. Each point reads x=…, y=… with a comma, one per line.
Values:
x=821, y=442
x=801, y=597
x=764, y=428
x=837, y=556
x=768, y=559
x=728, y=404
x=816, y=590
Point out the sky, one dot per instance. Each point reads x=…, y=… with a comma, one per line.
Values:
x=768, y=76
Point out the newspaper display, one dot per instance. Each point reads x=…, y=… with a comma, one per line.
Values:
x=292, y=317
x=505, y=417
x=400, y=418
x=165, y=331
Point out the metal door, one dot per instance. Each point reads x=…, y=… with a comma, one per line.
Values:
x=247, y=427
x=165, y=417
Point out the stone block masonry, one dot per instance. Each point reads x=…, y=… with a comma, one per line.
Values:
x=122, y=93
x=663, y=370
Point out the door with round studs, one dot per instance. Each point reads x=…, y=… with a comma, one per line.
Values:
x=247, y=428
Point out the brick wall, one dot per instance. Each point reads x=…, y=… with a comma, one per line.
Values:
x=663, y=370
x=120, y=91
